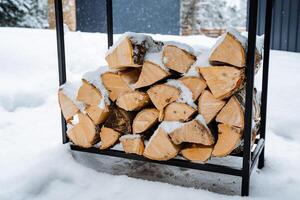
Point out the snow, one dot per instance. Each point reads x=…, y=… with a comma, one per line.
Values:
x=156, y=58
x=130, y=136
x=71, y=90
x=93, y=77
x=35, y=165
x=202, y=60
x=186, y=96
x=170, y=126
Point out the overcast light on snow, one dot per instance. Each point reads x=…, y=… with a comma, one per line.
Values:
x=35, y=165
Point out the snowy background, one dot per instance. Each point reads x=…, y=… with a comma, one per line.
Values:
x=35, y=165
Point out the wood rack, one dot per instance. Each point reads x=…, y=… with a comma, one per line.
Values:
x=250, y=158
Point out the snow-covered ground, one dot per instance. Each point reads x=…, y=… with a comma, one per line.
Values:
x=35, y=165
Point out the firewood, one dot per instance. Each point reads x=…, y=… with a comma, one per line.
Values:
x=130, y=76
x=132, y=101
x=209, y=106
x=195, y=84
x=222, y=81
x=229, y=137
x=82, y=131
x=177, y=59
x=132, y=144
x=197, y=152
x=178, y=111
x=232, y=113
x=67, y=106
x=119, y=120
x=97, y=114
x=130, y=50
x=162, y=94
x=108, y=137
x=144, y=120
x=194, y=131
x=160, y=147
x=115, y=85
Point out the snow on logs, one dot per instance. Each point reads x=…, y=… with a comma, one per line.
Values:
x=162, y=99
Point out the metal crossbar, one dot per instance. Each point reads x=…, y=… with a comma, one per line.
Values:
x=250, y=158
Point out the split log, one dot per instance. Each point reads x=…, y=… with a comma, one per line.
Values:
x=222, y=81
x=67, y=106
x=119, y=120
x=132, y=101
x=231, y=49
x=197, y=152
x=115, y=85
x=160, y=147
x=82, y=131
x=132, y=144
x=195, y=131
x=130, y=50
x=229, y=137
x=177, y=111
x=144, y=120
x=209, y=106
x=97, y=114
x=108, y=137
x=150, y=74
x=162, y=94
x=130, y=76
x=177, y=59
x=89, y=94
x=195, y=84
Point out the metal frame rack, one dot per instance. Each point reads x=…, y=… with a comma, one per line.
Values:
x=250, y=158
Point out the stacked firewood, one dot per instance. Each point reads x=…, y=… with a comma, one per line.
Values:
x=163, y=99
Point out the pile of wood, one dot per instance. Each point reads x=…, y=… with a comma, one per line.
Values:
x=162, y=99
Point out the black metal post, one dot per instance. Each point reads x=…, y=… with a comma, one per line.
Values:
x=109, y=21
x=252, y=23
x=61, y=57
x=264, y=94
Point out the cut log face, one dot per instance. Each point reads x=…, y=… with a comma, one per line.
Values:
x=144, y=120
x=192, y=132
x=119, y=120
x=108, y=137
x=209, y=106
x=160, y=147
x=84, y=133
x=150, y=74
x=195, y=84
x=229, y=138
x=89, y=94
x=197, y=153
x=229, y=50
x=177, y=111
x=97, y=114
x=130, y=76
x=114, y=83
x=222, y=81
x=133, y=144
x=132, y=101
x=162, y=94
x=67, y=106
x=122, y=56
x=232, y=113
x=177, y=59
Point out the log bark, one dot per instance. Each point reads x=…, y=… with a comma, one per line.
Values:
x=108, y=137
x=229, y=137
x=133, y=144
x=144, y=120
x=162, y=94
x=115, y=85
x=177, y=59
x=222, y=81
x=132, y=101
x=98, y=115
x=195, y=84
x=209, y=106
x=193, y=132
x=119, y=120
x=67, y=106
x=160, y=147
x=197, y=152
x=150, y=74
x=177, y=111
x=83, y=132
